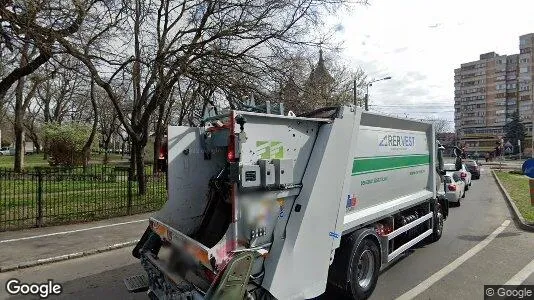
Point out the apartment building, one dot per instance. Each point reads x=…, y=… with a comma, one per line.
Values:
x=488, y=91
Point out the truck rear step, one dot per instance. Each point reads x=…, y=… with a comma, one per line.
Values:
x=137, y=283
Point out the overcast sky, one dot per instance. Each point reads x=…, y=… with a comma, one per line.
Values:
x=420, y=43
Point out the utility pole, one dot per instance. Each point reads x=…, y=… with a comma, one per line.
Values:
x=354, y=92
x=370, y=83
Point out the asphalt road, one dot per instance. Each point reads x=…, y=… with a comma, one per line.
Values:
x=467, y=257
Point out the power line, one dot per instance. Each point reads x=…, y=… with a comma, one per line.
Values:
x=424, y=105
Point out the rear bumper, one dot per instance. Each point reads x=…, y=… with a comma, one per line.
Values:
x=451, y=197
x=164, y=285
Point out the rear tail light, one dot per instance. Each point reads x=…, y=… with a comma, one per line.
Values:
x=463, y=174
x=230, y=155
x=451, y=187
x=162, y=152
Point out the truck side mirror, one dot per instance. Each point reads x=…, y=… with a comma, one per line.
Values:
x=458, y=163
x=440, y=159
x=458, y=159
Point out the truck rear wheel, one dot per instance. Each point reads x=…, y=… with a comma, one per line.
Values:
x=365, y=267
x=357, y=265
x=437, y=229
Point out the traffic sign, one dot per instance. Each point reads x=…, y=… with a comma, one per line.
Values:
x=528, y=167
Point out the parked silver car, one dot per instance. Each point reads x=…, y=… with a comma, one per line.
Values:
x=7, y=151
x=454, y=188
x=464, y=174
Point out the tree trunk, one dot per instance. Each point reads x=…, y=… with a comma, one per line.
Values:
x=37, y=147
x=133, y=155
x=106, y=147
x=140, y=166
x=86, y=150
x=158, y=136
x=123, y=148
x=19, y=145
x=18, y=127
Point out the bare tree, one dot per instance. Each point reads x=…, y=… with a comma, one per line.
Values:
x=440, y=125
x=152, y=45
x=23, y=96
x=297, y=87
x=18, y=19
x=108, y=122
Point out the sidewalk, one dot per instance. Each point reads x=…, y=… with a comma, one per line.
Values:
x=26, y=248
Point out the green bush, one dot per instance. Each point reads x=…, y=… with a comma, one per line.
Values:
x=64, y=143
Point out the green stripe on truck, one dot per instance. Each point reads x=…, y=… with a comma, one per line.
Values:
x=385, y=163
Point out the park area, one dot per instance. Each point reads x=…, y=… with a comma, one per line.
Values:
x=518, y=188
x=42, y=196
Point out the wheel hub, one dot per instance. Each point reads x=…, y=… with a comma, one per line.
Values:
x=365, y=269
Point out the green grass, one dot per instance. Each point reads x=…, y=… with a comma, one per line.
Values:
x=36, y=160
x=518, y=188
x=70, y=195
x=33, y=160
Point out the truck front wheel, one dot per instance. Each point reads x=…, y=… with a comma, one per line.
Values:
x=437, y=229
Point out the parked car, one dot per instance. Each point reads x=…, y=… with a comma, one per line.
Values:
x=474, y=168
x=7, y=151
x=454, y=188
x=464, y=174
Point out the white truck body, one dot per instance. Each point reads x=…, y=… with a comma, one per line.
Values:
x=300, y=185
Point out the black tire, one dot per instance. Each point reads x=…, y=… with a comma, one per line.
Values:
x=463, y=196
x=437, y=229
x=466, y=188
x=356, y=266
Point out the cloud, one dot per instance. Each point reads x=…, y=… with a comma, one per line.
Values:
x=415, y=76
x=400, y=50
x=415, y=91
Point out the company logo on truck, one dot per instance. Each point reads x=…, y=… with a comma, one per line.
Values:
x=393, y=140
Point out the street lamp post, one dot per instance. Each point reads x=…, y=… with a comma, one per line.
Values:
x=370, y=83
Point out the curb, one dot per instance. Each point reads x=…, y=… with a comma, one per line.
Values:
x=518, y=218
x=43, y=261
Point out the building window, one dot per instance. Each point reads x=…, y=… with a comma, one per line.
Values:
x=523, y=70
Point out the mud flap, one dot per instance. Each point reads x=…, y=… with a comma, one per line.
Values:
x=152, y=241
x=444, y=206
x=233, y=282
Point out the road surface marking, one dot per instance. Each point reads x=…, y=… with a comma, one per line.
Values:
x=71, y=231
x=521, y=275
x=453, y=265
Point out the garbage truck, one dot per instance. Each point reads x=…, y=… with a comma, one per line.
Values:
x=265, y=206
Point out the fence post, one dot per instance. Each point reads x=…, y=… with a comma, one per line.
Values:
x=129, y=205
x=39, y=221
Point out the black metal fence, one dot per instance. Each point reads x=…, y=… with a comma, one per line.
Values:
x=51, y=196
